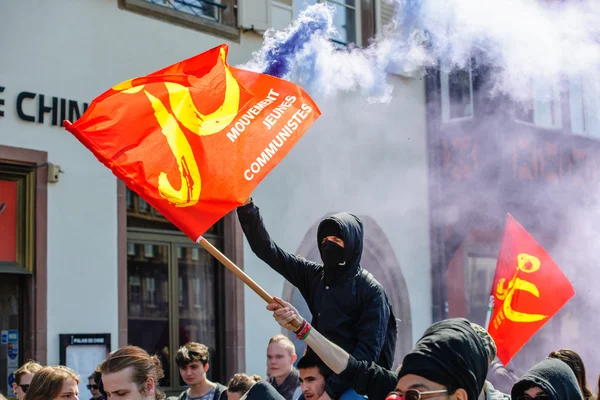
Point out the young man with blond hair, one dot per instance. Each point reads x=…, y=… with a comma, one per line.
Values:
x=281, y=356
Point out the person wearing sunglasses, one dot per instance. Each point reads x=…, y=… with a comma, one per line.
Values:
x=23, y=377
x=552, y=379
x=448, y=362
x=93, y=388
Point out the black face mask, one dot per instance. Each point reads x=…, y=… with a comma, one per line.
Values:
x=332, y=253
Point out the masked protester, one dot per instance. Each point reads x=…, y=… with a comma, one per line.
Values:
x=348, y=305
x=551, y=379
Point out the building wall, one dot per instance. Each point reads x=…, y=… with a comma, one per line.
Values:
x=76, y=50
x=366, y=159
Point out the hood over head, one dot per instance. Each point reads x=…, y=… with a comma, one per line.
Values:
x=552, y=376
x=452, y=354
x=262, y=391
x=350, y=230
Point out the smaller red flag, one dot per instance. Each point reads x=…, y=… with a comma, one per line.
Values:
x=529, y=288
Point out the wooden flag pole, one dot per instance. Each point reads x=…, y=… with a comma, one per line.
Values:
x=238, y=272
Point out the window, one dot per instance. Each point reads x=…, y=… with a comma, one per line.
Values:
x=346, y=18
x=217, y=17
x=154, y=283
x=584, y=107
x=479, y=278
x=457, y=94
x=210, y=9
x=176, y=290
x=543, y=109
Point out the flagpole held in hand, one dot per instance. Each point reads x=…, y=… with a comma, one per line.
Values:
x=237, y=271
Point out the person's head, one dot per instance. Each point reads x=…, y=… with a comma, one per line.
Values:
x=93, y=386
x=98, y=381
x=239, y=384
x=130, y=373
x=23, y=377
x=54, y=383
x=281, y=356
x=488, y=342
x=449, y=360
x=574, y=361
x=193, y=360
x=340, y=240
x=313, y=374
x=552, y=379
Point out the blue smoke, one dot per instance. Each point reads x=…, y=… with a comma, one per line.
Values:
x=520, y=40
x=280, y=50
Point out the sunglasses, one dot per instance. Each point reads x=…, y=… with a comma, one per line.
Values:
x=24, y=388
x=413, y=394
x=92, y=387
x=527, y=397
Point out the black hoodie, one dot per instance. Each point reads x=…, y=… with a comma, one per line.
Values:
x=262, y=391
x=348, y=305
x=552, y=376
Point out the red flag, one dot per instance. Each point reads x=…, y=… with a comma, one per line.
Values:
x=529, y=288
x=194, y=139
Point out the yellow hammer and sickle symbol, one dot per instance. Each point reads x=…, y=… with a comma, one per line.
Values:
x=186, y=113
x=528, y=264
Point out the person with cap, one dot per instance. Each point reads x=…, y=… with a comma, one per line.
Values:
x=488, y=392
x=449, y=360
x=551, y=379
x=348, y=305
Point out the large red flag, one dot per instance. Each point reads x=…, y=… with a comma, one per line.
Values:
x=529, y=288
x=194, y=139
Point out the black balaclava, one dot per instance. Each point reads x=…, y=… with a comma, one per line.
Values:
x=331, y=252
x=452, y=354
x=340, y=261
x=554, y=377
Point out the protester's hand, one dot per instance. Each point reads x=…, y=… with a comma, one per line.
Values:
x=285, y=314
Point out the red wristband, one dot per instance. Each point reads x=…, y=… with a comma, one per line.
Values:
x=302, y=325
x=303, y=334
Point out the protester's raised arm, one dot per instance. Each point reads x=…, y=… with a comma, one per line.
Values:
x=298, y=271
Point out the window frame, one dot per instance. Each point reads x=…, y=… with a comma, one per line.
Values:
x=25, y=179
x=557, y=105
x=227, y=28
x=174, y=240
x=297, y=8
x=445, y=96
x=584, y=98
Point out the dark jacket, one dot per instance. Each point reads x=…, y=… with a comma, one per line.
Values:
x=220, y=393
x=262, y=391
x=552, y=376
x=348, y=305
x=289, y=386
x=369, y=378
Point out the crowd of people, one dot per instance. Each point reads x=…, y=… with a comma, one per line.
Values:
x=350, y=345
